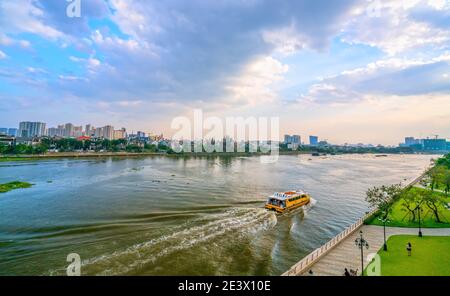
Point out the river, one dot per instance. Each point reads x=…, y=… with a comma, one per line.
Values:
x=181, y=216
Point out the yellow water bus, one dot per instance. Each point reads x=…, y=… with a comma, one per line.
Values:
x=286, y=201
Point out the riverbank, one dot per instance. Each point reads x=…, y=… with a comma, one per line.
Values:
x=74, y=155
x=60, y=155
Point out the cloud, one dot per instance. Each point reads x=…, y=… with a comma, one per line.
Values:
x=133, y=58
x=72, y=78
x=2, y=55
x=180, y=51
x=253, y=85
x=401, y=77
x=23, y=16
x=53, y=14
x=384, y=121
x=435, y=14
x=7, y=41
x=396, y=26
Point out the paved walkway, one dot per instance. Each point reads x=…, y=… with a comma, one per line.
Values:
x=347, y=255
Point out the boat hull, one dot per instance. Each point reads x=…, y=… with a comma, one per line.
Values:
x=287, y=209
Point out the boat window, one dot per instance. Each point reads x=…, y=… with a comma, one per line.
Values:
x=274, y=202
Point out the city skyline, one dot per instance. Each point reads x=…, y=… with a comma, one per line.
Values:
x=354, y=73
x=69, y=130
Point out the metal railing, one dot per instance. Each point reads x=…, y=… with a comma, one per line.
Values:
x=304, y=264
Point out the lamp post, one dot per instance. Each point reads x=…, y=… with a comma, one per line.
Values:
x=420, y=226
x=384, y=220
x=361, y=243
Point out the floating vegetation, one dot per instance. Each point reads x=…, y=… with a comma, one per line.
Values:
x=137, y=169
x=14, y=185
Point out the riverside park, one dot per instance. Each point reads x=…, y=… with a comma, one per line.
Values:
x=424, y=206
x=407, y=233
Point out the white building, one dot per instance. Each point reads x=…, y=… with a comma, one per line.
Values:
x=31, y=129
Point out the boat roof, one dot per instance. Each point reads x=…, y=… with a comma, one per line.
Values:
x=287, y=194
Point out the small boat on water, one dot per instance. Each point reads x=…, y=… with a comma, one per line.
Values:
x=282, y=202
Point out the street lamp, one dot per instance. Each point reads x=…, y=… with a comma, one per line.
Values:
x=361, y=243
x=419, y=209
x=384, y=221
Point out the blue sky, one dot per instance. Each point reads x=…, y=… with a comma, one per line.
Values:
x=348, y=71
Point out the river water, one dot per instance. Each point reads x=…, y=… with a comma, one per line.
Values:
x=181, y=216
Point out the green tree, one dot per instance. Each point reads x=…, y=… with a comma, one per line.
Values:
x=134, y=148
x=40, y=149
x=435, y=174
x=382, y=197
x=444, y=161
x=446, y=181
x=150, y=148
x=162, y=146
x=433, y=202
x=410, y=200
x=23, y=149
x=87, y=145
x=5, y=149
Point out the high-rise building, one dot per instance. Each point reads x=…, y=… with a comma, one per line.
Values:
x=12, y=132
x=435, y=144
x=3, y=131
x=296, y=139
x=69, y=130
x=292, y=142
x=31, y=129
x=53, y=132
x=411, y=141
x=98, y=133
x=120, y=134
x=287, y=139
x=141, y=135
x=108, y=132
x=56, y=131
x=77, y=131
x=88, y=130
x=313, y=140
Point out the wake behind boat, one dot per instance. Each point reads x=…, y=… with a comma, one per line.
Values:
x=282, y=202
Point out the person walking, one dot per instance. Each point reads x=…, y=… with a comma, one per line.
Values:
x=347, y=273
x=409, y=248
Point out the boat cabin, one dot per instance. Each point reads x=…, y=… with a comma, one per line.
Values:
x=281, y=201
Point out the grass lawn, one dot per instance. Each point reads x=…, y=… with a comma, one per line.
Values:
x=399, y=217
x=14, y=185
x=430, y=256
x=8, y=159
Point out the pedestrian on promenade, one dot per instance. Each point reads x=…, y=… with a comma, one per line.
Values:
x=409, y=248
x=346, y=273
